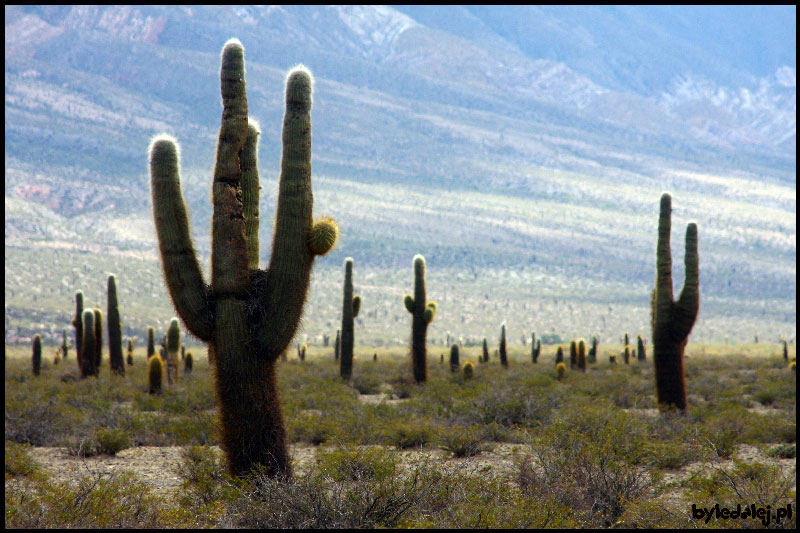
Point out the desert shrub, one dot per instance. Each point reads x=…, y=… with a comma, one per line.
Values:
x=19, y=462
x=204, y=475
x=410, y=434
x=783, y=451
x=367, y=383
x=463, y=442
x=111, y=441
x=355, y=464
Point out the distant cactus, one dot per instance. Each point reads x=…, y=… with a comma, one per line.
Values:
x=173, y=346
x=673, y=321
x=248, y=316
x=785, y=351
x=350, y=307
x=641, y=355
x=374, y=357
x=612, y=359
x=130, y=352
x=593, y=351
x=422, y=315
x=503, y=352
x=469, y=370
x=155, y=373
x=87, y=356
x=302, y=350
x=98, y=337
x=188, y=363
x=77, y=322
x=454, y=363
x=337, y=346
x=114, y=329
x=573, y=354
x=582, y=355
x=441, y=358
x=151, y=341
x=64, y=345
x=626, y=351
x=536, y=348
x=559, y=355
x=485, y=351
x=183, y=352
x=561, y=370
x=57, y=356
x=37, y=355
x=627, y=339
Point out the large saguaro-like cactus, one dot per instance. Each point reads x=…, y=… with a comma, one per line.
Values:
x=422, y=315
x=114, y=330
x=247, y=316
x=673, y=320
x=88, y=341
x=173, y=345
x=77, y=322
x=350, y=307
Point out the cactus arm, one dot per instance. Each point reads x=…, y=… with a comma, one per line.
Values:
x=230, y=276
x=356, y=305
x=408, y=301
x=191, y=296
x=251, y=191
x=689, y=302
x=663, y=293
x=289, y=271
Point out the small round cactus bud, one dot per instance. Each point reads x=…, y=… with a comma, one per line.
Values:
x=430, y=312
x=322, y=236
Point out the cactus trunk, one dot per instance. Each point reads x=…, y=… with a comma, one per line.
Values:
x=422, y=315
x=350, y=307
x=173, y=344
x=77, y=322
x=114, y=330
x=503, y=354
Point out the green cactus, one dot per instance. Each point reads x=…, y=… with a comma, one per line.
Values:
x=188, y=363
x=247, y=316
x=77, y=323
x=469, y=370
x=673, y=320
x=561, y=370
x=88, y=351
x=485, y=351
x=173, y=346
x=114, y=330
x=641, y=355
x=454, y=356
x=422, y=315
x=301, y=351
x=155, y=374
x=559, y=355
x=627, y=339
x=37, y=355
x=593, y=351
x=535, y=349
x=785, y=351
x=151, y=341
x=350, y=307
x=130, y=352
x=612, y=359
x=627, y=354
x=582, y=355
x=337, y=346
x=503, y=352
x=573, y=354
x=98, y=337
x=64, y=345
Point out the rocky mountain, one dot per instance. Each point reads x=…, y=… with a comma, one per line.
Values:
x=567, y=121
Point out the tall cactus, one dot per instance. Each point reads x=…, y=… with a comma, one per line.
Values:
x=503, y=350
x=37, y=355
x=98, y=338
x=337, y=346
x=672, y=321
x=247, y=316
x=422, y=313
x=114, y=330
x=77, y=322
x=641, y=354
x=350, y=307
x=582, y=355
x=485, y=351
x=559, y=355
x=573, y=354
x=151, y=341
x=593, y=351
x=87, y=356
x=130, y=352
x=64, y=345
x=454, y=358
x=173, y=346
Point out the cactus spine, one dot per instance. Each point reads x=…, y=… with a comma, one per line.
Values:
x=87, y=356
x=422, y=314
x=37, y=355
x=77, y=322
x=503, y=353
x=673, y=320
x=114, y=330
x=454, y=363
x=350, y=307
x=247, y=316
x=173, y=346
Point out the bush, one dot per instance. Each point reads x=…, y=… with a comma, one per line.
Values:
x=111, y=441
x=463, y=442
